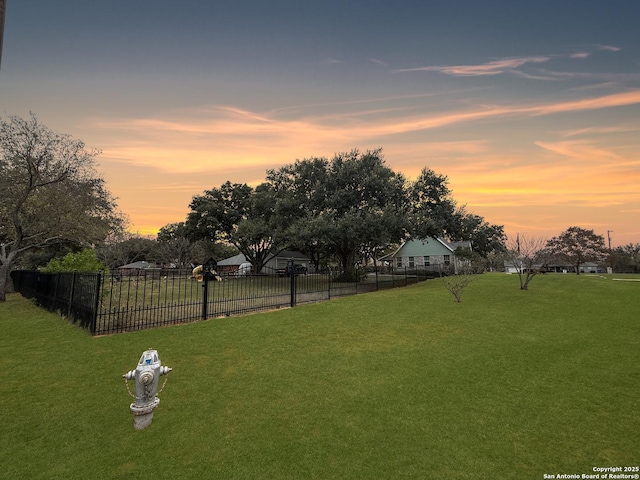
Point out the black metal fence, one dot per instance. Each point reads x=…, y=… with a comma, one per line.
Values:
x=75, y=295
x=107, y=304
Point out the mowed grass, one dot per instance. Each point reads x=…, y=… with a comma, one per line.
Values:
x=403, y=383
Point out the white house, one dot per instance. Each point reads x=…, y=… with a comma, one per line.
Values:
x=586, y=267
x=275, y=262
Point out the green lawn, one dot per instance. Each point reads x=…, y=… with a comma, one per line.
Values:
x=402, y=383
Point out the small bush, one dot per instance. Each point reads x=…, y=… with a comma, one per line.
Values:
x=84, y=261
x=456, y=285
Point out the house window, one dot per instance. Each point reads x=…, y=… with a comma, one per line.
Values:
x=399, y=262
x=447, y=260
x=412, y=262
x=427, y=262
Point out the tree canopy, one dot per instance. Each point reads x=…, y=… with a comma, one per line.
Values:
x=353, y=204
x=626, y=258
x=432, y=207
x=51, y=193
x=578, y=245
x=349, y=208
x=237, y=214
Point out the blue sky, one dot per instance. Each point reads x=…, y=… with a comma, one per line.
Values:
x=532, y=109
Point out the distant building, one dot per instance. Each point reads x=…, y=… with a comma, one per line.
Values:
x=231, y=266
x=587, y=267
x=139, y=268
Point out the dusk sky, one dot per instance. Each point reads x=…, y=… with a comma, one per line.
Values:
x=531, y=108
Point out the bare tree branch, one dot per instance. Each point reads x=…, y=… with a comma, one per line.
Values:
x=528, y=256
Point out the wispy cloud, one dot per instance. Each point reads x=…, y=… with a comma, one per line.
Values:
x=600, y=130
x=452, y=118
x=579, y=172
x=495, y=67
x=599, y=76
x=609, y=48
x=580, y=55
x=595, y=103
x=584, y=151
x=373, y=100
x=224, y=135
x=512, y=65
x=530, y=76
x=378, y=62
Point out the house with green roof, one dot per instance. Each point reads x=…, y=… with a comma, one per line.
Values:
x=431, y=254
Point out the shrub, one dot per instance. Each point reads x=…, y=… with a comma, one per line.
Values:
x=84, y=261
x=456, y=285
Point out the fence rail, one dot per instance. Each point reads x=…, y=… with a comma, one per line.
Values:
x=107, y=304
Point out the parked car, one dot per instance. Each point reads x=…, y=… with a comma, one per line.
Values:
x=297, y=269
x=244, y=269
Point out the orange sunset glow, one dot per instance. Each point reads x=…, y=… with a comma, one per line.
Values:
x=533, y=114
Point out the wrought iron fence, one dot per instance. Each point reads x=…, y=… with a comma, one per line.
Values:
x=147, y=300
x=72, y=294
x=114, y=303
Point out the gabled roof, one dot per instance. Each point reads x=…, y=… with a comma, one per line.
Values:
x=240, y=258
x=426, y=244
x=138, y=265
x=461, y=244
x=235, y=260
x=289, y=254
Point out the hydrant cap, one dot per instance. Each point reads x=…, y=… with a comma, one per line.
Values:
x=149, y=357
x=146, y=377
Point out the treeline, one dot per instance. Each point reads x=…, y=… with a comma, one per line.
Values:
x=346, y=210
x=625, y=259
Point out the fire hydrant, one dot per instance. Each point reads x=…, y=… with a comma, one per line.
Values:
x=146, y=376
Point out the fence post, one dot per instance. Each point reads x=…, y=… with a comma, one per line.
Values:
x=406, y=278
x=71, y=292
x=356, y=274
x=96, y=305
x=292, y=272
x=205, y=298
x=54, y=300
x=375, y=266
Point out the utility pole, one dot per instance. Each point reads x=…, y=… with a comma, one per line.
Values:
x=609, y=232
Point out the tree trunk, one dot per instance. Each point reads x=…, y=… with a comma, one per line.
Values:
x=527, y=280
x=5, y=269
x=7, y=260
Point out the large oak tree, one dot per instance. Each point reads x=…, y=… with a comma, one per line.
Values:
x=349, y=208
x=237, y=214
x=49, y=193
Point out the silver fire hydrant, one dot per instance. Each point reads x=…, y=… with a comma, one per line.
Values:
x=146, y=376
